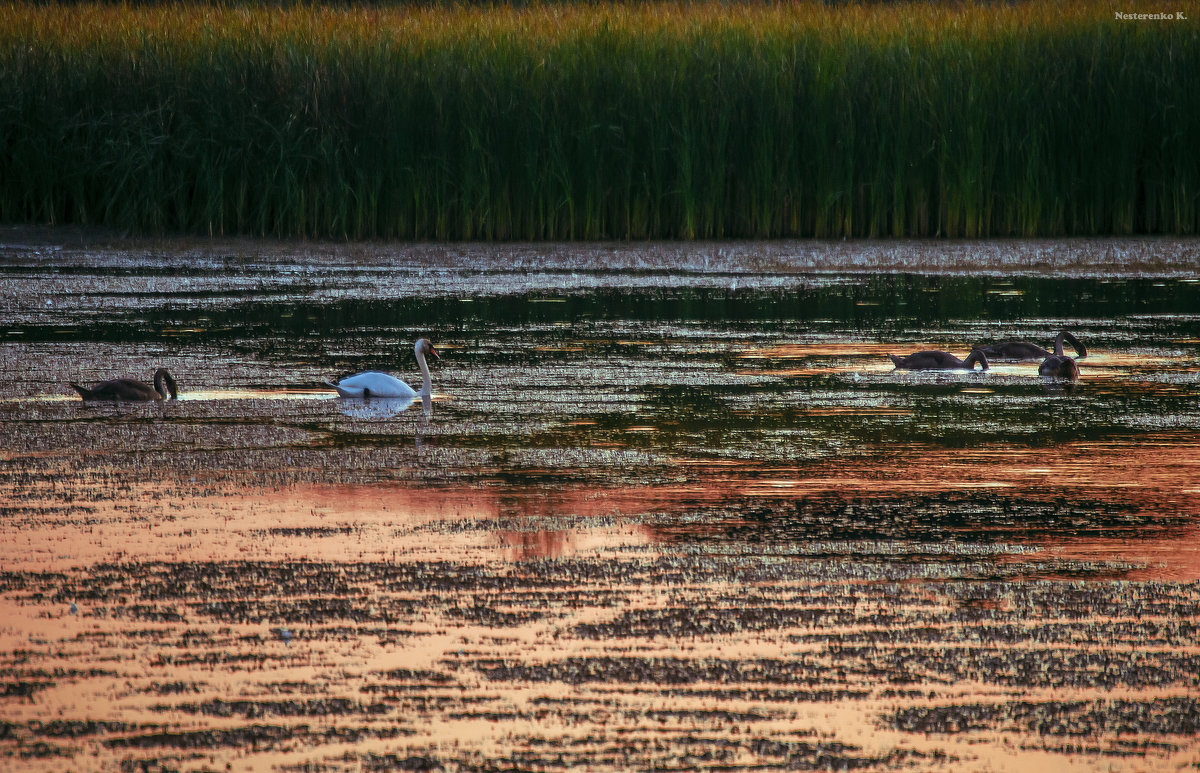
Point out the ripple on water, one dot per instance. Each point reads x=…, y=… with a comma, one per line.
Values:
x=670, y=506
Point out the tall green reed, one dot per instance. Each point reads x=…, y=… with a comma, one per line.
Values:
x=600, y=121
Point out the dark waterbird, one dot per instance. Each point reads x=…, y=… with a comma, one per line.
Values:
x=1058, y=365
x=131, y=390
x=937, y=360
x=1025, y=350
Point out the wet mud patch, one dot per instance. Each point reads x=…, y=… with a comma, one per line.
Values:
x=1178, y=716
x=1026, y=669
x=657, y=671
x=989, y=518
x=1154, y=634
x=753, y=694
x=417, y=677
x=310, y=531
x=255, y=736
x=386, y=763
x=803, y=755
x=22, y=689
x=315, y=707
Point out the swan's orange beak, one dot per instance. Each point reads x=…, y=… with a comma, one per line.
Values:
x=433, y=352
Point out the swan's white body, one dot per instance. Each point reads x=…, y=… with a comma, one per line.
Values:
x=372, y=383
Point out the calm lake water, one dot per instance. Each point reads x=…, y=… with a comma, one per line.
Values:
x=669, y=507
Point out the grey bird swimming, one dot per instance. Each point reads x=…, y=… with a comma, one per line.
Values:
x=1058, y=365
x=1025, y=350
x=932, y=359
x=131, y=390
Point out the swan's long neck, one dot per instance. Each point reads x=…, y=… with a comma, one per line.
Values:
x=1080, y=349
x=164, y=384
x=974, y=357
x=426, y=386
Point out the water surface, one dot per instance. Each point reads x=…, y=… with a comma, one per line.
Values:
x=669, y=506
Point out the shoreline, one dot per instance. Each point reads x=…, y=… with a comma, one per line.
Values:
x=1115, y=256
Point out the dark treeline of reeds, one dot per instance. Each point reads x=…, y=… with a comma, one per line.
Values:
x=600, y=121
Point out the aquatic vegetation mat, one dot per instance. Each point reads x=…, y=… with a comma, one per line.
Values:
x=682, y=517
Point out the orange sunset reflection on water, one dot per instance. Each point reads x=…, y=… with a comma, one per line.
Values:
x=667, y=508
x=406, y=625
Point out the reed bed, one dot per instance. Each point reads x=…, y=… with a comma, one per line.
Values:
x=589, y=121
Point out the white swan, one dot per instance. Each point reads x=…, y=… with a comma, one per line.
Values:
x=372, y=383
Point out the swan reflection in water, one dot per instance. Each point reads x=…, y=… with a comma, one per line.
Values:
x=380, y=408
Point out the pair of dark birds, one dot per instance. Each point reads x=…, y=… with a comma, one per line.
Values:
x=1054, y=364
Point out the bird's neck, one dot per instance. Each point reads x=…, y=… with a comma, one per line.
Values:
x=426, y=386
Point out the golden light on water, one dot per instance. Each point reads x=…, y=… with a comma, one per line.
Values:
x=729, y=539
x=356, y=535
